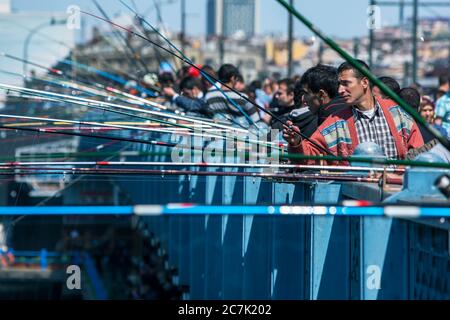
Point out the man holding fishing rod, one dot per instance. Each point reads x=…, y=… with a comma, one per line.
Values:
x=365, y=119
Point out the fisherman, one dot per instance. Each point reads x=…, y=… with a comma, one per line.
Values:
x=391, y=83
x=206, y=83
x=316, y=98
x=285, y=102
x=191, y=97
x=365, y=119
x=426, y=109
x=220, y=106
x=240, y=83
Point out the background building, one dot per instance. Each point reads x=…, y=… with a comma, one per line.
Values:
x=230, y=17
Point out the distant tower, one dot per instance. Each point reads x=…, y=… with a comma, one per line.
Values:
x=230, y=16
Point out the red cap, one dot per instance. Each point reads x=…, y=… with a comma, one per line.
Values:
x=193, y=72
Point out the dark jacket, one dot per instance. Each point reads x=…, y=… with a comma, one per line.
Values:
x=331, y=108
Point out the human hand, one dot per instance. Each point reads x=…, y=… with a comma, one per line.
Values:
x=291, y=134
x=168, y=91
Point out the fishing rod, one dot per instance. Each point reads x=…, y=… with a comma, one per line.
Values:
x=110, y=92
x=103, y=103
x=196, y=152
x=203, y=164
x=213, y=78
x=79, y=87
x=92, y=129
x=102, y=73
x=50, y=82
x=229, y=99
x=155, y=122
x=116, y=91
x=115, y=138
x=142, y=21
x=373, y=79
x=125, y=127
x=79, y=134
x=134, y=55
x=108, y=123
x=66, y=128
x=191, y=63
x=98, y=124
x=84, y=67
x=6, y=170
x=93, y=87
x=246, y=154
x=51, y=70
x=107, y=75
x=192, y=127
x=161, y=22
x=172, y=130
x=158, y=55
x=41, y=97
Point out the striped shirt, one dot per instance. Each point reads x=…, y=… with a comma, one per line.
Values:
x=218, y=104
x=375, y=129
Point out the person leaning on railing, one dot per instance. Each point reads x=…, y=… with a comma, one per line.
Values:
x=366, y=119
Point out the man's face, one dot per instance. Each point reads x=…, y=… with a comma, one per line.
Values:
x=284, y=98
x=239, y=86
x=311, y=99
x=191, y=93
x=352, y=89
x=427, y=112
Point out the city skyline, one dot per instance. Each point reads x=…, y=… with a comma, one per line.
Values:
x=228, y=17
x=272, y=14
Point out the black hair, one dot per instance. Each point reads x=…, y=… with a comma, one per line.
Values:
x=227, y=72
x=290, y=85
x=190, y=83
x=320, y=77
x=166, y=78
x=443, y=79
x=209, y=70
x=183, y=71
x=347, y=66
x=411, y=96
x=256, y=83
x=439, y=94
x=391, y=83
x=240, y=78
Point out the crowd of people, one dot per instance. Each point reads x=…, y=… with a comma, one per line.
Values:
x=336, y=109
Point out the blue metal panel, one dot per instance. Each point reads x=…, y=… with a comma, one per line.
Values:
x=430, y=270
x=395, y=275
x=257, y=257
x=290, y=256
x=214, y=258
x=197, y=257
x=330, y=249
x=231, y=238
x=256, y=246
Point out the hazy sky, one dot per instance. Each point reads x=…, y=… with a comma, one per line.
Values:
x=343, y=18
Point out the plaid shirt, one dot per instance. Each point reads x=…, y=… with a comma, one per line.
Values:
x=375, y=129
